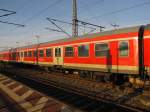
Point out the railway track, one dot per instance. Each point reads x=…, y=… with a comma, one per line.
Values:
x=18, y=97
x=76, y=98
x=77, y=101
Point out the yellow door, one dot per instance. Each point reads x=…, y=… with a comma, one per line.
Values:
x=58, y=55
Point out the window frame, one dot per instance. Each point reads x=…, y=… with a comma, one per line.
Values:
x=29, y=53
x=60, y=53
x=35, y=53
x=69, y=51
x=108, y=44
x=51, y=52
x=25, y=54
x=39, y=54
x=88, y=50
x=128, y=48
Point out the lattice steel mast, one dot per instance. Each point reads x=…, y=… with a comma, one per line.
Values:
x=74, y=19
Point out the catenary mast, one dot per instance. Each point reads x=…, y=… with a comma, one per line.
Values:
x=74, y=19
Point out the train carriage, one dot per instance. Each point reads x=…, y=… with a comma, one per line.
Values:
x=121, y=52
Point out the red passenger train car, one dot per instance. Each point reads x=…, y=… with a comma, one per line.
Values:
x=121, y=52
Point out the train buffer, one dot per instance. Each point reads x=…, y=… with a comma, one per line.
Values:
x=20, y=98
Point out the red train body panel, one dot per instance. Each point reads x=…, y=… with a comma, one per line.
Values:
x=116, y=59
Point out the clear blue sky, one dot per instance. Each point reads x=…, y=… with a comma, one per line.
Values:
x=33, y=14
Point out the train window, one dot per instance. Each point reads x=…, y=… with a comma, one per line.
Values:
x=101, y=50
x=41, y=53
x=35, y=53
x=69, y=52
x=30, y=54
x=25, y=54
x=48, y=52
x=83, y=50
x=57, y=52
x=123, y=48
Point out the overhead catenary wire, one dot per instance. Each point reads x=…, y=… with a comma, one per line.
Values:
x=82, y=25
x=20, y=25
x=58, y=27
x=87, y=23
x=90, y=6
x=114, y=25
x=8, y=12
x=53, y=29
x=39, y=13
x=122, y=10
x=42, y=11
x=71, y=23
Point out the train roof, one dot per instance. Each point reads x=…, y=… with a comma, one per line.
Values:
x=104, y=33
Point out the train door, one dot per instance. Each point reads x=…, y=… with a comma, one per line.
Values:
x=58, y=57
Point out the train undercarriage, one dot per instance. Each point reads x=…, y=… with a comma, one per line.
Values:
x=115, y=79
